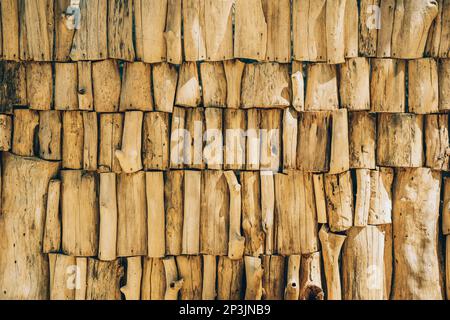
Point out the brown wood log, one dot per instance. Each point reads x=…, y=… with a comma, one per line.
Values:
x=416, y=215
x=36, y=34
x=447, y=266
x=363, y=195
x=24, y=269
x=388, y=259
x=446, y=207
x=120, y=30
x=155, y=214
x=129, y=156
x=253, y=275
x=193, y=143
x=209, y=278
x=73, y=140
x=423, y=93
x=178, y=138
x=107, y=243
x=165, y=78
x=194, y=30
x=437, y=142
x=40, y=86
x=380, y=208
x=387, y=85
x=192, y=212
x=335, y=34
x=85, y=89
x=268, y=210
x=273, y=280
x=110, y=132
x=106, y=85
x=354, y=89
x=219, y=30
x=64, y=31
x=331, y=250
x=13, y=89
x=253, y=146
x=368, y=24
x=270, y=139
x=234, y=70
x=213, y=152
x=363, y=264
x=90, y=145
x=132, y=215
x=79, y=211
x=150, y=22
x=230, y=275
x=174, y=206
x=155, y=148
x=234, y=126
x=384, y=36
x=10, y=29
x=321, y=88
x=311, y=278
x=320, y=199
x=136, y=87
x=292, y=290
x=266, y=85
x=362, y=140
x=63, y=277
x=103, y=279
x=339, y=195
x=190, y=270
x=66, y=86
x=298, y=86
x=50, y=135
x=290, y=135
x=304, y=191
x=214, y=84
x=90, y=40
x=339, y=153
x=132, y=289
x=309, y=27
x=188, y=89
x=172, y=33
x=314, y=141
x=412, y=18
x=351, y=29
x=173, y=282
x=404, y=152
x=52, y=231
x=278, y=20
x=438, y=44
x=25, y=132
x=444, y=84
x=153, y=285
x=80, y=292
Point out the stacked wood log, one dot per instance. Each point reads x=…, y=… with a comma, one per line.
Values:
x=232, y=149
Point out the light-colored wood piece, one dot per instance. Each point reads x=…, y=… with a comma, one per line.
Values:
x=129, y=156
x=107, y=243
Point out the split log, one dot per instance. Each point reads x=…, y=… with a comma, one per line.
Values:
x=253, y=275
x=363, y=264
x=40, y=85
x=90, y=40
x=165, y=78
x=173, y=200
x=103, y=280
x=393, y=151
x=173, y=282
x=387, y=85
x=192, y=209
x=107, y=85
x=354, y=89
x=386, y=22
x=309, y=27
x=339, y=195
x=9, y=10
x=314, y=142
x=290, y=135
x=335, y=34
x=214, y=214
x=234, y=70
x=388, y=259
x=351, y=29
x=253, y=146
x=136, y=87
x=5, y=132
x=153, y=285
x=423, y=93
x=190, y=270
x=214, y=84
x=311, y=278
x=85, y=89
x=132, y=215
x=73, y=140
x=380, y=209
x=446, y=207
x=339, y=156
x=111, y=130
x=178, y=138
x=36, y=34
x=412, y=18
x=250, y=33
x=298, y=86
x=25, y=131
x=209, y=278
x=79, y=211
x=194, y=30
x=49, y=135
x=66, y=86
x=363, y=195
x=321, y=88
x=230, y=276
x=82, y=263
x=129, y=156
x=444, y=84
x=13, y=89
x=331, y=250
x=150, y=22
x=132, y=289
x=447, y=265
x=172, y=33
x=188, y=89
x=120, y=30
x=438, y=44
x=235, y=126
x=90, y=145
x=52, y=231
x=415, y=220
x=236, y=242
x=362, y=135
x=107, y=243
x=219, y=30
x=63, y=277
x=213, y=150
x=270, y=139
x=155, y=149
x=292, y=290
x=155, y=214
x=64, y=31
x=273, y=280
x=265, y=85
x=304, y=192
x=268, y=209
x=368, y=25
x=278, y=21
x=437, y=142
x=193, y=143
x=320, y=198
x=24, y=270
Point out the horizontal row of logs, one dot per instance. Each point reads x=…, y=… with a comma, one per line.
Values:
x=379, y=85
x=215, y=139
x=192, y=30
